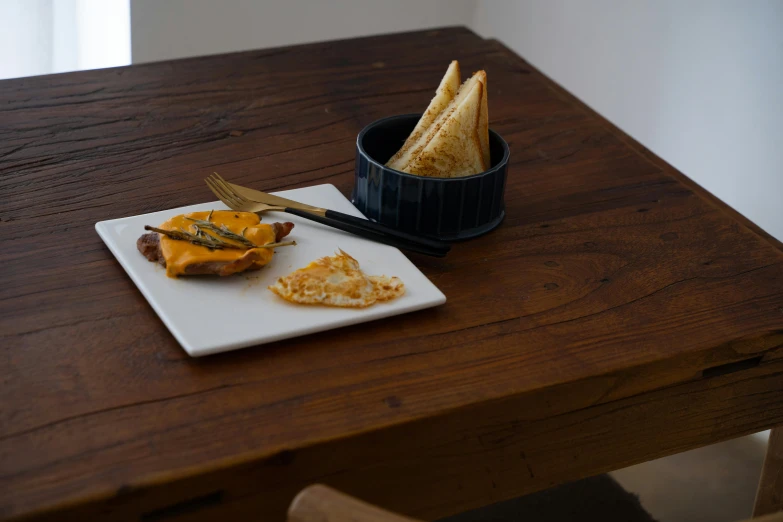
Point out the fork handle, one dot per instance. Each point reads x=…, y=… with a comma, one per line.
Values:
x=383, y=229
x=415, y=245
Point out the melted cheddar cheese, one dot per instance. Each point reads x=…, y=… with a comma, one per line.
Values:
x=180, y=254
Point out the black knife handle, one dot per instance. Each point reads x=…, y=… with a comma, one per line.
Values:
x=383, y=229
x=372, y=234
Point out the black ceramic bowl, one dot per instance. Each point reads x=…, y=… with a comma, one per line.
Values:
x=444, y=208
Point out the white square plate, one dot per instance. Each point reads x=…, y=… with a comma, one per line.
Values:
x=250, y=312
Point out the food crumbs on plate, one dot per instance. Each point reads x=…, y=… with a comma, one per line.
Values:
x=337, y=281
x=252, y=280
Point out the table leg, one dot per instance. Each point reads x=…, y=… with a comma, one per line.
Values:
x=769, y=497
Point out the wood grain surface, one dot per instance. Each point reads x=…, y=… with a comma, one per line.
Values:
x=619, y=313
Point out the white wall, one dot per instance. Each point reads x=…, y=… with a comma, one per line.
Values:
x=51, y=36
x=699, y=82
x=163, y=29
x=103, y=33
x=25, y=37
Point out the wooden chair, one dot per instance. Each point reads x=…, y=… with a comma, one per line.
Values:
x=774, y=517
x=594, y=498
x=320, y=503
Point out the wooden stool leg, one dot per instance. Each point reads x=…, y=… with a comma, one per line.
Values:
x=769, y=497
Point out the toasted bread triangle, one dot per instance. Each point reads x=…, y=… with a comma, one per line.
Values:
x=445, y=93
x=483, y=125
x=413, y=151
x=455, y=149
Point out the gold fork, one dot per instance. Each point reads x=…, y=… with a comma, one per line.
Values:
x=235, y=201
x=360, y=227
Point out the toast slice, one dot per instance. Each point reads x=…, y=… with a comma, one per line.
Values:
x=483, y=129
x=446, y=91
x=455, y=149
x=417, y=148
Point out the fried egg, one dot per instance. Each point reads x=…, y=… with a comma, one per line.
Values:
x=337, y=281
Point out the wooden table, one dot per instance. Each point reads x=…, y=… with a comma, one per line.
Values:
x=619, y=314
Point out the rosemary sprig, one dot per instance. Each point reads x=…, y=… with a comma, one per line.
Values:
x=211, y=241
x=197, y=239
x=222, y=230
x=275, y=245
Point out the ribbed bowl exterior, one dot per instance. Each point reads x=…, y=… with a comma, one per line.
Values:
x=444, y=208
